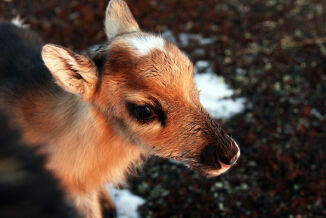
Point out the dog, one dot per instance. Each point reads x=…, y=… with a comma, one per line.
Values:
x=97, y=117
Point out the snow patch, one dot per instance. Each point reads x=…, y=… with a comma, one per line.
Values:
x=186, y=38
x=126, y=203
x=169, y=36
x=215, y=94
x=316, y=113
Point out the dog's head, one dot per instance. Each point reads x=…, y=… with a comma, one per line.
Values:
x=144, y=86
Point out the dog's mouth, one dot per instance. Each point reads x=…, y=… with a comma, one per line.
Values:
x=209, y=173
x=205, y=171
x=209, y=164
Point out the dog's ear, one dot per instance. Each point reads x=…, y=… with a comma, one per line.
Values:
x=74, y=73
x=119, y=19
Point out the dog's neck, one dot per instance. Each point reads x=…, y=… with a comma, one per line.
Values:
x=83, y=139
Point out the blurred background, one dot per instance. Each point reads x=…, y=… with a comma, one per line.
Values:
x=261, y=66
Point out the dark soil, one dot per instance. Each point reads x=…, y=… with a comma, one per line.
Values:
x=273, y=53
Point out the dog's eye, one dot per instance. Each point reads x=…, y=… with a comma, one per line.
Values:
x=142, y=113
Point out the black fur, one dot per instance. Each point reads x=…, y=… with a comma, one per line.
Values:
x=21, y=65
x=26, y=188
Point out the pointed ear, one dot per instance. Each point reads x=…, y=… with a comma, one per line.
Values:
x=74, y=73
x=119, y=19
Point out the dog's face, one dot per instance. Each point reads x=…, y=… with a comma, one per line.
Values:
x=144, y=87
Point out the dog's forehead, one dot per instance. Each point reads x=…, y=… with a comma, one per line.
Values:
x=151, y=61
x=162, y=64
x=158, y=57
x=152, y=49
x=143, y=45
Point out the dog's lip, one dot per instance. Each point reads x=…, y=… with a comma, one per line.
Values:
x=223, y=168
x=209, y=172
x=216, y=172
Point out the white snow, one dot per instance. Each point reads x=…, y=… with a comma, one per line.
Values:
x=185, y=38
x=215, y=94
x=126, y=203
x=316, y=113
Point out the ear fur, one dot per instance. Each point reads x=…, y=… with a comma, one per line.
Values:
x=74, y=73
x=119, y=19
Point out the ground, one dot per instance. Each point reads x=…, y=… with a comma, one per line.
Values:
x=273, y=54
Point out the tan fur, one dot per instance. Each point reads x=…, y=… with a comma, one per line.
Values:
x=88, y=131
x=121, y=19
x=83, y=152
x=80, y=76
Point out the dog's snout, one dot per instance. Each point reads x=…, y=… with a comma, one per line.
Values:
x=229, y=155
x=215, y=155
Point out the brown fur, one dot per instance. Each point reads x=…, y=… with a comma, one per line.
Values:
x=88, y=122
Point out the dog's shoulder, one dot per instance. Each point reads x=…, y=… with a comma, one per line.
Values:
x=21, y=64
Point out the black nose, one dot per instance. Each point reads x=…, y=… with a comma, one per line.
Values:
x=227, y=154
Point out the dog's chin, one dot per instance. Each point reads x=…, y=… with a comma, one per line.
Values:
x=208, y=172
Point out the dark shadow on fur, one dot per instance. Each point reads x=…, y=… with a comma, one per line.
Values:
x=26, y=188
